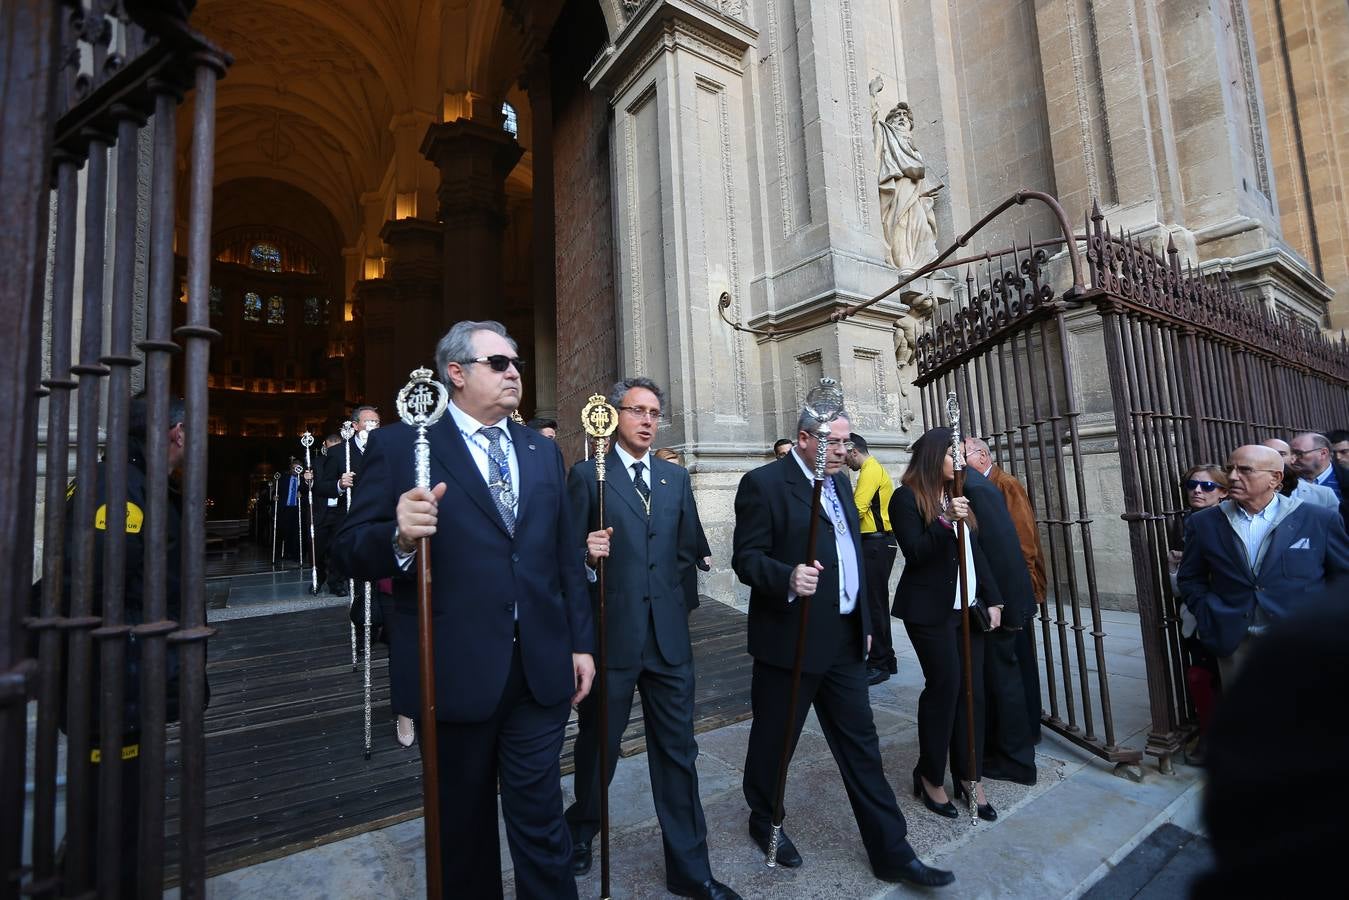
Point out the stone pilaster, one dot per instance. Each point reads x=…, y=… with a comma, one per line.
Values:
x=403, y=309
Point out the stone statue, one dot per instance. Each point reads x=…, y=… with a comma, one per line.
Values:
x=907, y=219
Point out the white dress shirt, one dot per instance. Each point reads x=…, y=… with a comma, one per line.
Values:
x=1253, y=528
x=477, y=446
x=843, y=545
x=628, y=459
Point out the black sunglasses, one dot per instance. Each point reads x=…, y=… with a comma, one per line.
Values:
x=1207, y=487
x=499, y=363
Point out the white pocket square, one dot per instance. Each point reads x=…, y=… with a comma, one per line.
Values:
x=1300, y=544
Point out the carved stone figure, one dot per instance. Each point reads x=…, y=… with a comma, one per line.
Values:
x=907, y=219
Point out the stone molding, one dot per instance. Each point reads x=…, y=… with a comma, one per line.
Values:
x=666, y=26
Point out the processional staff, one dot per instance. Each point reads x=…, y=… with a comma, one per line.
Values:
x=307, y=441
x=599, y=419
x=421, y=403
x=823, y=404
x=348, y=431
x=958, y=490
x=276, y=497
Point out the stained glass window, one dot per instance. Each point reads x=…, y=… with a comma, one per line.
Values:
x=266, y=257
x=276, y=311
x=313, y=311
x=510, y=122
x=252, y=307
x=217, y=298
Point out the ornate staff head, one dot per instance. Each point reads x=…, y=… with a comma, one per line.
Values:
x=824, y=404
x=348, y=431
x=306, y=441
x=599, y=419
x=953, y=418
x=421, y=403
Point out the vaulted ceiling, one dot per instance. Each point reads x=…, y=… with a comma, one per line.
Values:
x=316, y=84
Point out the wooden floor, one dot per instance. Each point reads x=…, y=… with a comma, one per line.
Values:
x=285, y=767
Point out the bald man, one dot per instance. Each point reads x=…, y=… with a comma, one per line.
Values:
x=1258, y=557
x=1295, y=486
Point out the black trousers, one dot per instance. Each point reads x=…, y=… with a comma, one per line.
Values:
x=126, y=877
x=1029, y=667
x=672, y=756
x=325, y=525
x=1008, y=748
x=878, y=558
x=843, y=706
x=942, y=727
x=517, y=748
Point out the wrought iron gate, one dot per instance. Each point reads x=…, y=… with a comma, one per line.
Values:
x=1195, y=369
x=84, y=78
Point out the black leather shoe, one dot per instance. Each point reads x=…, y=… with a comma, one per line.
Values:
x=986, y=810
x=947, y=809
x=581, y=858
x=711, y=889
x=787, y=855
x=876, y=676
x=915, y=872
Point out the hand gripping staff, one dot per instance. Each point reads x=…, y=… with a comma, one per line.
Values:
x=599, y=420
x=348, y=432
x=421, y=403
x=824, y=403
x=958, y=490
x=307, y=441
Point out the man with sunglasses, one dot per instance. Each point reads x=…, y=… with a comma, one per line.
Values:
x=512, y=624
x=1257, y=558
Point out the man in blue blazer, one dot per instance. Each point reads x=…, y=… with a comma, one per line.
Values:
x=1258, y=557
x=773, y=509
x=513, y=630
x=651, y=543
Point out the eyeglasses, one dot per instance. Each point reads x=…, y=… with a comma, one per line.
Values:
x=641, y=413
x=1298, y=454
x=1207, y=487
x=499, y=362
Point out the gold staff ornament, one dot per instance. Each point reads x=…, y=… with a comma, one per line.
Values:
x=600, y=419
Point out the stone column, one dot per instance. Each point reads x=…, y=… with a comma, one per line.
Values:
x=544, y=245
x=403, y=309
x=474, y=160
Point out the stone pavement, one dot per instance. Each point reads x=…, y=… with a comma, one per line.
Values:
x=1055, y=839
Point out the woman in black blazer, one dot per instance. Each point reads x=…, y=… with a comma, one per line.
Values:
x=923, y=515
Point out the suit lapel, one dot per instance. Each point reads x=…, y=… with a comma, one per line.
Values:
x=800, y=487
x=1278, y=543
x=528, y=461
x=620, y=479
x=447, y=446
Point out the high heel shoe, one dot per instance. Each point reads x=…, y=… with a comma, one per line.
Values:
x=985, y=810
x=947, y=809
x=405, y=738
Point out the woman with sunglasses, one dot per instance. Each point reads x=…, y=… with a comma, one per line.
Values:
x=923, y=515
x=1204, y=485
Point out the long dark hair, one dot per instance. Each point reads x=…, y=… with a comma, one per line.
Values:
x=924, y=474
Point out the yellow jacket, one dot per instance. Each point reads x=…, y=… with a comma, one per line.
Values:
x=871, y=479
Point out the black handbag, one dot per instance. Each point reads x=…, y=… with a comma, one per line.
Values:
x=980, y=620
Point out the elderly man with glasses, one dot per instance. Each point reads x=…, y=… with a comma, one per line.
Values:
x=1258, y=557
x=1315, y=462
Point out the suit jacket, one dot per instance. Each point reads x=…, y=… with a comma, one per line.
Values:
x=927, y=587
x=1223, y=591
x=649, y=558
x=772, y=523
x=483, y=578
x=334, y=465
x=1023, y=517
x=1000, y=543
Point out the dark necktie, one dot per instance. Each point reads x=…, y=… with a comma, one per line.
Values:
x=499, y=477
x=640, y=483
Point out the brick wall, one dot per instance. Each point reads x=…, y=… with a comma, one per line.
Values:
x=586, y=346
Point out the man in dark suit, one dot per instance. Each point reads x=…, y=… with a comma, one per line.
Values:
x=651, y=544
x=773, y=509
x=1009, y=749
x=1315, y=461
x=335, y=478
x=327, y=516
x=513, y=629
x=1257, y=558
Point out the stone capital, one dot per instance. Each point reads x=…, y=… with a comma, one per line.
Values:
x=663, y=27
